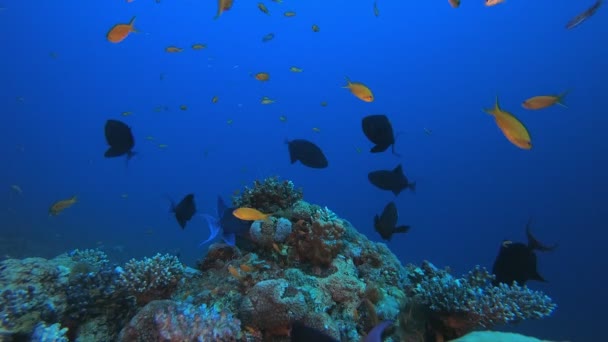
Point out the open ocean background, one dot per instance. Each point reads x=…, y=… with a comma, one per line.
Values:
x=430, y=67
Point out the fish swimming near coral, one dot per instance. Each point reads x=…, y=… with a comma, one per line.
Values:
x=120, y=138
x=249, y=214
x=392, y=180
x=302, y=333
x=378, y=129
x=225, y=223
x=386, y=223
x=517, y=262
x=307, y=153
x=184, y=210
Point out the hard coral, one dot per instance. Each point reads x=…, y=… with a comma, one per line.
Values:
x=269, y=196
x=152, y=278
x=166, y=320
x=457, y=306
x=320, y=241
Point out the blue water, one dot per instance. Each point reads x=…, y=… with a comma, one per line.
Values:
x=429, y=66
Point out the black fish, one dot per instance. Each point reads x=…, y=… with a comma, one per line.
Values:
x=393, y=180
x=386, y=224
x=184, y=210
x=581, y=18
x=302, y=333
x=307, y=153
x=516, y=261
x=226, y=223
x=378, y=129
x=120, y=139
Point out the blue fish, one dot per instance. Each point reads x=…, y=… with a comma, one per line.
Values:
x=225, y=223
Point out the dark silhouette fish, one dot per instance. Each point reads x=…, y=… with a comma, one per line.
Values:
x=378, y=129
x=386, y=223
x=392, y=180
x=184, y=210
x=229, y=225
x=307, y=153
x=302, y=333
x=119, y=138
x=581, y=18
x=516, y=261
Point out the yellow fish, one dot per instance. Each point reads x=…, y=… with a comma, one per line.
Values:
x=150, y=138
x=295, y=69
x=223, y=5
x=60, y=206
x=283, y=118
x=183, y=107
x=263, y=8
x=266, y=100
x=215, y=99
x=198, y=46
x=173, y=49
x=229, y=121
x=544, y=101
x=316, y=129
x=249, y=214
x=315, y=28
x=290, y=14
x=360, y=90
x=511, y=127
x=163, y=145
x=126, y=113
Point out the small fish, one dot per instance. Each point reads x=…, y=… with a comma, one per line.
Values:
x=379, y=130
x=124, y=196
x=120, y=139
x=17, y=189
x=173, y=49
x=316, y=129
x=262, y=76
x=391, y=180
x=315, y=28
x=581, y=18
x=516, y=261
x=376, y=10
x=266, y=100
x=263, y=8
x=223, y=5
x=150, y=138
x=229, y=121
x=119, y=32
x=184, y=210
x=454, y=3
x=283, y=118
x=511, y=127
x=386, y=223
x=198, y=46
x=544, y=101
x=126, y=113
x=249, y=214
x=306, y=153
x=215, y=99
x=493, y=2
x=268, y=37
x=360, y=90
x=53, y=55
x=289, y=14
x=427, y=131
x=162, y=146
x=183, y=107
x=295, y=69
x=60, y=206
x=323, y=103
x=278, y=1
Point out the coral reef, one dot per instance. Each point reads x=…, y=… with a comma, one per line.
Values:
x=269, y=196
x=52, y=333
x=271, y=230
x=458, y=306
x=166, y=320
x=152, y=278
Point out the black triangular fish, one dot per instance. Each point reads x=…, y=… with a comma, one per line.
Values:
x=517, y=262
x=120, y=139
x=392, y=180
x=184, y=210
x=386, y=223
x=378, y=129
x=307, y=153
x=231, y=227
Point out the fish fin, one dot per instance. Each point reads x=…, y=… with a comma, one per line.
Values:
x=74, y=198
x=560, y=98
x=398, y=170
x=394, y=142
x=214, y=228
x=132, y=23
x=221, y=207
x=376, y=333
x=348, y=82
x=111, y=153
x=376, y=219
x=534, y=244
x=538, y=277
x=396, y=191
x=229, y=239
x=379, y=148
x=412, y=186
x=401, y=229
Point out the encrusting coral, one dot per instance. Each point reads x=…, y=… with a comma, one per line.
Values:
x=304, y=263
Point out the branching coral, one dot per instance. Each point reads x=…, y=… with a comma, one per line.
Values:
x=458, y=306
x=152, y=278
x=269, y=196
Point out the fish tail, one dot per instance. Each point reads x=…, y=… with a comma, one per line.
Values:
x=412, y=187
x=132, y=24
x=348, y=82
x=560, y=98
x=533, y=243
x=214, y=228
x=74, y=198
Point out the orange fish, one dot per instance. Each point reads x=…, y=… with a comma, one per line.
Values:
x=249, y=214
x=360, y=90
x=454, y=3
x=173, y=49
x=60, y=206
x=290, y=14
x=544, y=101
x=119, y=32
x=262, y=76
x=493, y=2
x=511, y=127
x=223, y=5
